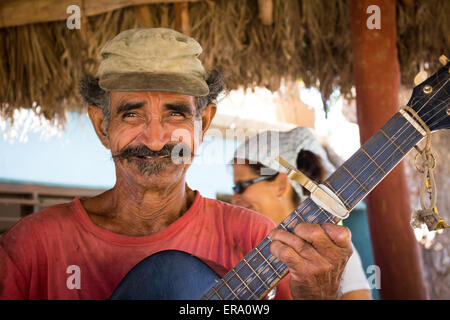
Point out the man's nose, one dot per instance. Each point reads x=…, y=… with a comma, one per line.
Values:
x=155, y=136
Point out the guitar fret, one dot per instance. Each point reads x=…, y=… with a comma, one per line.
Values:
x=354, y=178
x=245, y=284
x=337, y=194
x=270, y=265
x=257, y=275
x=283, y=226
x=325, y=212
x=373, y=160
x=217, y=293
x=392, y=141
x=299, y=215
x=225, y=282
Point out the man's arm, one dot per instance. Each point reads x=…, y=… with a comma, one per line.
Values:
x=316, y=256
x=357, y=295
x=12, y=282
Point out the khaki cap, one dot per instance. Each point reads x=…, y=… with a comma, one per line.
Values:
x=154, y=59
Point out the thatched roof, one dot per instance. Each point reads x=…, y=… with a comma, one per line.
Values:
x=308, y=40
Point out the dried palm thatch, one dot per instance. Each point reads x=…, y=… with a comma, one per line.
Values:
x=40, y=64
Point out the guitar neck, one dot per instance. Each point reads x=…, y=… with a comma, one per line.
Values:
x=352, y=181
x=260, y=271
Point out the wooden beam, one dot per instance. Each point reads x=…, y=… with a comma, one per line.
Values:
x=22, y=12
x=13, y=188
x=377, y=81
x=182, y=17
x=266, y=11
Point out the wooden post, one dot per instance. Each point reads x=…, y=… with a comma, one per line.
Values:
x=21, y=12
x=182, y=17
x=377, y=81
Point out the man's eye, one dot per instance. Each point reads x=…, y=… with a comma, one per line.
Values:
x=129, y=115
x=176, y=114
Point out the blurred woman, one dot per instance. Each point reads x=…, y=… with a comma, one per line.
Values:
x=260, y=184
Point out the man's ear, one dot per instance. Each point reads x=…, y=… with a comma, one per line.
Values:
x=207, y=116
x=96, y=116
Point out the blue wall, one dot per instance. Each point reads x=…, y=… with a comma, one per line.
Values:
x=358, y=224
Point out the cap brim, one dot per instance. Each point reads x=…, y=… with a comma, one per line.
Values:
x=145, y=81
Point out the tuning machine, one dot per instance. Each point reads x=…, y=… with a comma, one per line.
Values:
x=420, y=77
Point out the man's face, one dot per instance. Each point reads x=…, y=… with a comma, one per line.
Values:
x=149, y=133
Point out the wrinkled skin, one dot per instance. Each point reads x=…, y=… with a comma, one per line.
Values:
x=316, y=256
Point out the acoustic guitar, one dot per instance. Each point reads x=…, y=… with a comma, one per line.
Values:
x=178, y=275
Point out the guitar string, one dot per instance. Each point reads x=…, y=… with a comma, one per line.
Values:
x=372, y=173
x=403, y=128
x=348, y=182
x=377, y=170
x=380, y=151
x=313, y=218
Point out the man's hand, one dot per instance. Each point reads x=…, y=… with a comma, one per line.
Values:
x=316, y=256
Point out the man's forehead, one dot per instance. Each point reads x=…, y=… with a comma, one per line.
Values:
x=118, y=97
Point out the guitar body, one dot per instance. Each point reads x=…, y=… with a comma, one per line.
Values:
x=166, y=275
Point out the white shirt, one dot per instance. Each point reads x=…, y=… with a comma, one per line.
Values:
x=354, y=277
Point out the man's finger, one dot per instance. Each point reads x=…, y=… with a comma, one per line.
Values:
x=341, y=236
x=315, y=235
x=300, y=247
x=287, y=255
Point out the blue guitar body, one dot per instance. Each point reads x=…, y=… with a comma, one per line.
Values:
x=167, y=275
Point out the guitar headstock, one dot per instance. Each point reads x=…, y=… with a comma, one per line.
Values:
x=431, y=98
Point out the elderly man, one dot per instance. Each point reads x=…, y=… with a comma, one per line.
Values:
x=151, y=104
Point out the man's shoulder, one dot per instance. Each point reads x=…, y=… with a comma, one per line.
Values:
x=47, y=220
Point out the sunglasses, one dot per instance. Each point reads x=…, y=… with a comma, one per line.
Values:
x=240, y=186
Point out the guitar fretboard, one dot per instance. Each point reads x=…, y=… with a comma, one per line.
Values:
x=260, y=271
x=352, y=181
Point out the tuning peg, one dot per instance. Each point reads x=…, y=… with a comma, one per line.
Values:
x=443, y=59
x=420, y=77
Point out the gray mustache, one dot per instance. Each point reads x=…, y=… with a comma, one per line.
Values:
x=144, y=151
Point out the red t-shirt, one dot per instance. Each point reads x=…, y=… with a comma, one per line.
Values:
x=59, y=253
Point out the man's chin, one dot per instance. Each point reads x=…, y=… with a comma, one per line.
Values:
x=154, y=173
x=149, y=168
